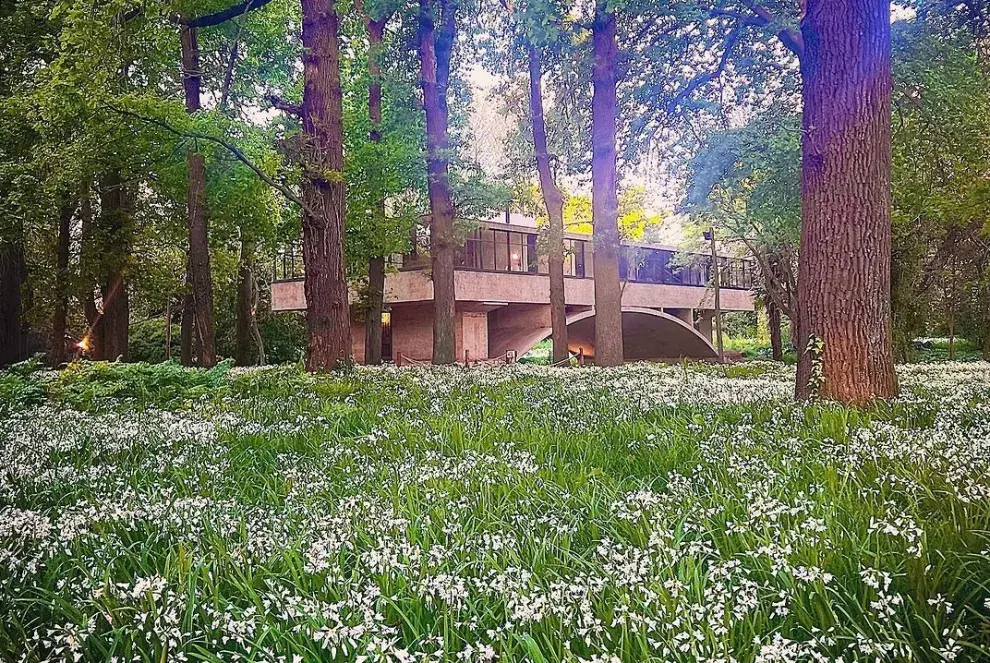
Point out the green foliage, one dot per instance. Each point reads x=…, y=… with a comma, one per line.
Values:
x=18, y=391
x=281, y=509
x=284, y=335
x=87, y=385
x=147, y=341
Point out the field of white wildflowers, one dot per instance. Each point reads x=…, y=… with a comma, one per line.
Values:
x=646, y=513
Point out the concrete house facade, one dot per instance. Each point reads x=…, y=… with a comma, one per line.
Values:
x=503, y=297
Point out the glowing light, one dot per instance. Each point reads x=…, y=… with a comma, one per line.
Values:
x=83, y=344
x=515, y=256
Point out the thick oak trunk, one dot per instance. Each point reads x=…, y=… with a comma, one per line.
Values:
x=604, y=195
x=435, y=48
x=12, y=274
x=554, y=201
x=115, y=231
x=844, y=273
x=56, y=353
x=327, y=311
x=201, y=280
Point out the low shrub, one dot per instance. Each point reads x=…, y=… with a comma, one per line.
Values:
x=18, y=391
x=147, y=341
x=84, y=384
x=284, y=335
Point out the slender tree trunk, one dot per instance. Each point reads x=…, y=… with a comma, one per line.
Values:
x=12, y=274
x=373, y=314
x=56, y=354
x=116, y=228
x=168, y=328
x=327, y=310
x=844, y=275
x=554, y=201
x=604, y=195
x=435, y=48
x=952, y=310
x=186, y=323
x=776, y=342
x=89, y=269
x=259, y=342
x=376, y=264
x=196, y=212
x=717, y=284
x=245, y=303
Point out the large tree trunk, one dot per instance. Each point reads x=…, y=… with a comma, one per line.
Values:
x=244, y=325
x=554, y=201
x=376, y=264
x=56, y=353
x=435, y=49
x=327, y=311
x=844, y=274
x=12, y=274
x=604, y=196
x=196, y=213
x=115, y=231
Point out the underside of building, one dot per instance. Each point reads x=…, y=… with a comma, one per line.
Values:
x=503, y=299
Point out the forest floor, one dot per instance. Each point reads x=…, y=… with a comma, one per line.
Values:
x=647, y=513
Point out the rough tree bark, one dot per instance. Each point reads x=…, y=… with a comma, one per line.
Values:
x=604, y=196
x=554, y=201
x=12, y=274
x=186, y=323
x=327, y=310
x=115, y=233
x=56, y=353
x=773, y=320
x=435, y=49
x=376, y=264
x=844, y=273
x=196, y=214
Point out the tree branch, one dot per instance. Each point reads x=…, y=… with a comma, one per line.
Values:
x=284, y=106
x=791, y=39
x=240, y=156
x=704, y=79
x=224, y=15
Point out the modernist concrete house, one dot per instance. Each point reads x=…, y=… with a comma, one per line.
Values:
x=503, y=297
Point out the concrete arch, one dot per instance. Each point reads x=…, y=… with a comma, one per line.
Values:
x=647, y=334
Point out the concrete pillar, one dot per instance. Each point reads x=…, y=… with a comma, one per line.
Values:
x=684, y=314
x=706, y=324
x=471, y=334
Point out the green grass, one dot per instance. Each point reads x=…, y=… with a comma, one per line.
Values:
x=515, y=513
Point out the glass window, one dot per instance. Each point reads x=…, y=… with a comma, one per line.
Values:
x=517, y=252
x=501, y=250
x=574, y=258
x=532, y=255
